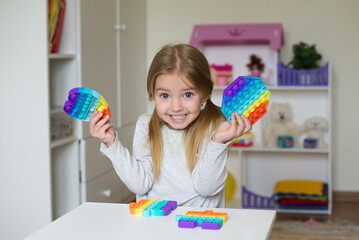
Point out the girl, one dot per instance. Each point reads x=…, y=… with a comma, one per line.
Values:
x=180, y=151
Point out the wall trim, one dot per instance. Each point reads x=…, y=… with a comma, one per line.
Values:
x=345, y=196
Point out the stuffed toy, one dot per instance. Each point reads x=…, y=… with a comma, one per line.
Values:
x=315, y=128
x=280, y=125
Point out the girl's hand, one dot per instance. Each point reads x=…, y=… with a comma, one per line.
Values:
x=230, y=130
x=102, y=129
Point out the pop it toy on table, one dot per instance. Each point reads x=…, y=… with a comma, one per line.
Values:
x=147, y=207
x=206, y=219
x=82, y=102
x=248, y=96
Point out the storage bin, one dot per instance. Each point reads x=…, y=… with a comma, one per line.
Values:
x=293, y=77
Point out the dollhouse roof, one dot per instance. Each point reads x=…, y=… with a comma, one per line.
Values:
x=226, y=67
x=228, y=34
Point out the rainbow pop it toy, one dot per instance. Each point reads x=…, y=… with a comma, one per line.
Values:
x=147, y=207
x=248, y=96
x=206, y=220
x=82, y=102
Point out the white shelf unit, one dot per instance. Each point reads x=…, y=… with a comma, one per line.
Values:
x=260, y=167
x=65, y=74
x=90, y=54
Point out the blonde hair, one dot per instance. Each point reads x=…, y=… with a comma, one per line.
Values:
x=192, y=64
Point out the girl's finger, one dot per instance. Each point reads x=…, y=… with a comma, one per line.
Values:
x=101, y=123
x=92, y=122
x=247, y=124
x=233, y=122
x=240, y=125
x=94, y=117
x=104, y=128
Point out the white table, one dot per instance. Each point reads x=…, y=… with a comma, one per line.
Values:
x=103, y=221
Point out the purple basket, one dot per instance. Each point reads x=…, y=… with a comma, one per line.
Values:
x=252, y=200
x=313, y=77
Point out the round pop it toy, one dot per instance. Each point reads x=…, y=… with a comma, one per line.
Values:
x=248, y=96
x=82, y=102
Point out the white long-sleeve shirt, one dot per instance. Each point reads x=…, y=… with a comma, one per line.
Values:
x=201, y=188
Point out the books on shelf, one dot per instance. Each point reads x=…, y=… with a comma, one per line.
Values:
x=56, y=18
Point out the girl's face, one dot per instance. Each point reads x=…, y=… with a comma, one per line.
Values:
x=177, y=101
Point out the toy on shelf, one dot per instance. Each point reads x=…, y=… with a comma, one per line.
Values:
x=222, y=75
x=314, y=129
x=285, y=142
x=255, y=201
x=206, y=219
x=281, y=131
x=246, y=140
x=302, y=194
x=256, y=68
x=61, y=125
x=310, y=143
x=147, y=207
x=248, y=96
x=82, y=102
x=303, y=78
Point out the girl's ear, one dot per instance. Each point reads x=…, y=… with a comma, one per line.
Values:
x=203, y=103
x=204, y=99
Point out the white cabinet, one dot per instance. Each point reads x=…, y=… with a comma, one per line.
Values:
x=260, y=167
x=99, y=181
x=90, y=55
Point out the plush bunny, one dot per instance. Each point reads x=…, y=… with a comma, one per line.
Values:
x=315, y=128
x=280, y=125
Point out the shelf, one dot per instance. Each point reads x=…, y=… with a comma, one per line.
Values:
x=288, y=88
x=55, y=56
x=286, y=150
x=298, y=211
x=63, y=141
x=56, y=109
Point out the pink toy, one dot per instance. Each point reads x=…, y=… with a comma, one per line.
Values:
x=222, y=74
x=238, y=34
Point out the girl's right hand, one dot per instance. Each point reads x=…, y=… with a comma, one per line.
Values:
x=102, y=129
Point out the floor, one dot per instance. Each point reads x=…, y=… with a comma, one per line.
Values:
x=341, y=212
x=342, y=224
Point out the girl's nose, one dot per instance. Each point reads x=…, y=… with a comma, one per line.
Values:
x=176, y=105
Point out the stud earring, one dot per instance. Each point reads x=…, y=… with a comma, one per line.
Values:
x=203, y=105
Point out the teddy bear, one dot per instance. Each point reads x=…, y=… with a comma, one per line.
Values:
x=280, y=125
x=315, y=128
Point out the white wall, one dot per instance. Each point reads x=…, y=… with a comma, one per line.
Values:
x=25, y=194
x=330, y=24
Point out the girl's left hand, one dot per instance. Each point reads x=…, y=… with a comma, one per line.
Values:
x=230, y=130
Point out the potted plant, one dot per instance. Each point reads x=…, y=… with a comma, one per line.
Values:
x=305, y=57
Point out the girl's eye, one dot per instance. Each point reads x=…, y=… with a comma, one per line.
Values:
x=188, y=94
x=164, y=95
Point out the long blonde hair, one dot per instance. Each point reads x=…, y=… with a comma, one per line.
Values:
x=191, y=63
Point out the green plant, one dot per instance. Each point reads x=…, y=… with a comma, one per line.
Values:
x=305, y=56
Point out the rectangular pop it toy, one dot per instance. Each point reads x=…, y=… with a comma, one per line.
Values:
x=206, y=220
x=248, y=96
x=82, y=102
x=147, y=207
